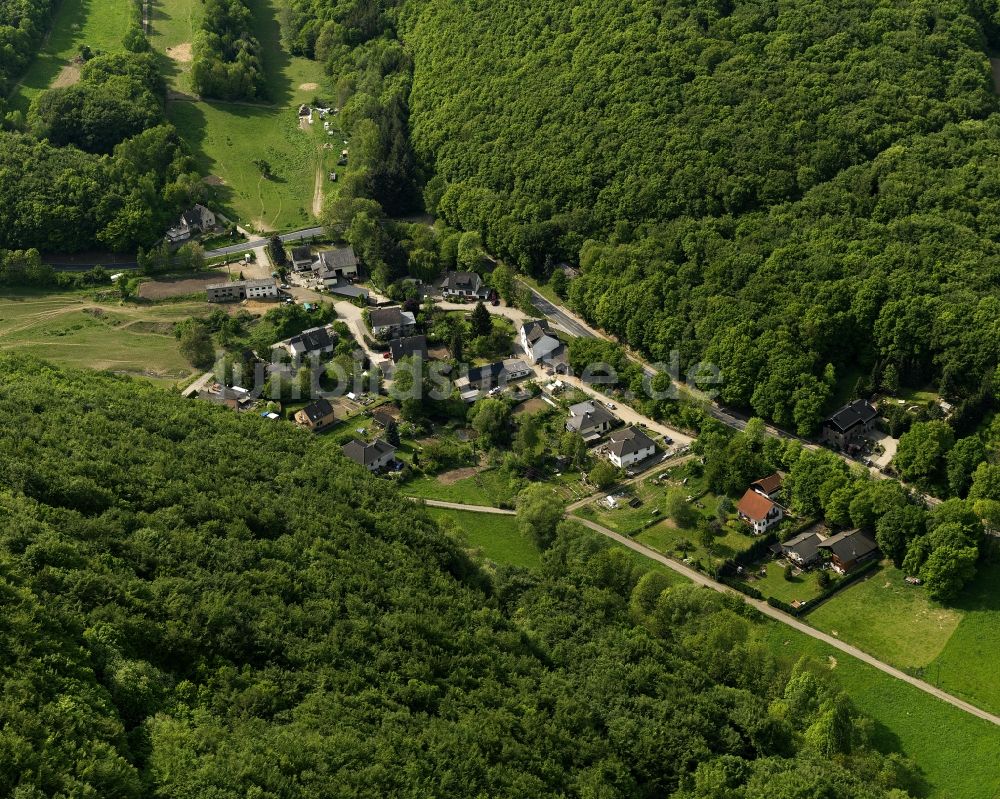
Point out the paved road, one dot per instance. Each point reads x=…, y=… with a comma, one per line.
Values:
x=704, y=580
x=571, y=323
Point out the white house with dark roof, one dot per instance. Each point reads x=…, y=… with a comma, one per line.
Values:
x=302, y=258
x=375, y=457
x=803, y=549
x=388, y=323
x=537, y=342
x=463, y=285
x=850, y=425
x=408, y=347
x=590, y=420
x=630, y=446
x=315, y=340
x=198, y=219
x=333, y=266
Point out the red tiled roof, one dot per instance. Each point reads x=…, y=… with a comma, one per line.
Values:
x=755, y=506
x=768, y=484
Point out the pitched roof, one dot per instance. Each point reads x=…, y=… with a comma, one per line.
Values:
x=462, y=281
x=382, y=417
x=408, y=347
x=754, y=506
x=629, y=441
x=850, y=545
x=318, y=410
x=367, y=454
x=587, y=415
x=535, y=330
x=805, y=545
x=312, y=340
x=340, y=258
x=768, y=484
x=302, y=253
x=858, y=412
x=386, y=317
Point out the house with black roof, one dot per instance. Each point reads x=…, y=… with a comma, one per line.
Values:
x=390, y=323
x=314, y=341
x=850, y=425
x=849, y=549
x=302, y=258
x=630, y=446
x=333, y=266
x=408, y=347
x=590, y=420
x=482, y=379
x=463, y=285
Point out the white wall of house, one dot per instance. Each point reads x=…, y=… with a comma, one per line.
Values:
x=631, y=458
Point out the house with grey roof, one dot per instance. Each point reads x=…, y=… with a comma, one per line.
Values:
x=849, y=549
x=374, y=457
x=315, y=340
x=333, y=266
x=408, y=347
x=630, y=446
x=302, y=258
x=389, y=323
x=537, y=342
x=316, y=415
x=590, y=420
x=803, y=549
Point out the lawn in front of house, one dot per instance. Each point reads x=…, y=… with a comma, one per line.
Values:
x=802, y=587
x=888, y=618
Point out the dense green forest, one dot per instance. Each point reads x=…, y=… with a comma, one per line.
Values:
x=205, y=604
x=790, y=192
x=23, y=23
x=227, y=57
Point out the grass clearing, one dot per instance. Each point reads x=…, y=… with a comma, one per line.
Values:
x=967, y=666
x=486, y=488
x=495, y=537
x=99, y=24
x=73, y=329
x=228, y=137
x=802, y=587
x=888, y=618
x=957, y=752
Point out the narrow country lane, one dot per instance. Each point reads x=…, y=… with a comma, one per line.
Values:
x=704, y=580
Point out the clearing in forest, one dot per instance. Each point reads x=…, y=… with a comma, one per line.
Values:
x=98, y=24
x=231, y=140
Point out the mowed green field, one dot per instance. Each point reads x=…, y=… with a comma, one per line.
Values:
x=957, y=752
x=495, y=536
x=99, y=24
x=74, y=330
x=228, y=138
x=954, y=647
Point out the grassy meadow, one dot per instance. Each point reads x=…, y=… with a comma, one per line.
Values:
x=228, y=137
x=99, y=24
x=494, y=536
x=74, y=330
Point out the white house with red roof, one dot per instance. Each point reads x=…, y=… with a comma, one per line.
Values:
x=759, y=511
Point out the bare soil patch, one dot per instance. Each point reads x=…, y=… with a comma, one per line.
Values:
x=67, y=76
x=531, y=406
x=181, y=53
x=308, y=87
x=214, y=180
x=448, y=478
x=178, y=287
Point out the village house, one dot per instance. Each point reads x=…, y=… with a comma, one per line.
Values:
x=849, y=549
x=768, y=486
x=195, y=220
x=537, y=342
x=333, y=266
x=302, y=258
x=850, y=425
x=383, y=418
x=803, y=549
x=629, y=446
x=590, y=420
x=238, y=290
x=315, y=340
x=463, y=285
x=409, y=347
x=374, y=457
x=759, y=512
x=481, y=380
x=316, y=415
x=389, y=323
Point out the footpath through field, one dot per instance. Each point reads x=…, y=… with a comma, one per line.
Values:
x=704, y=580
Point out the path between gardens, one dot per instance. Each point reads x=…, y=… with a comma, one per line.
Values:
x=706, y=581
